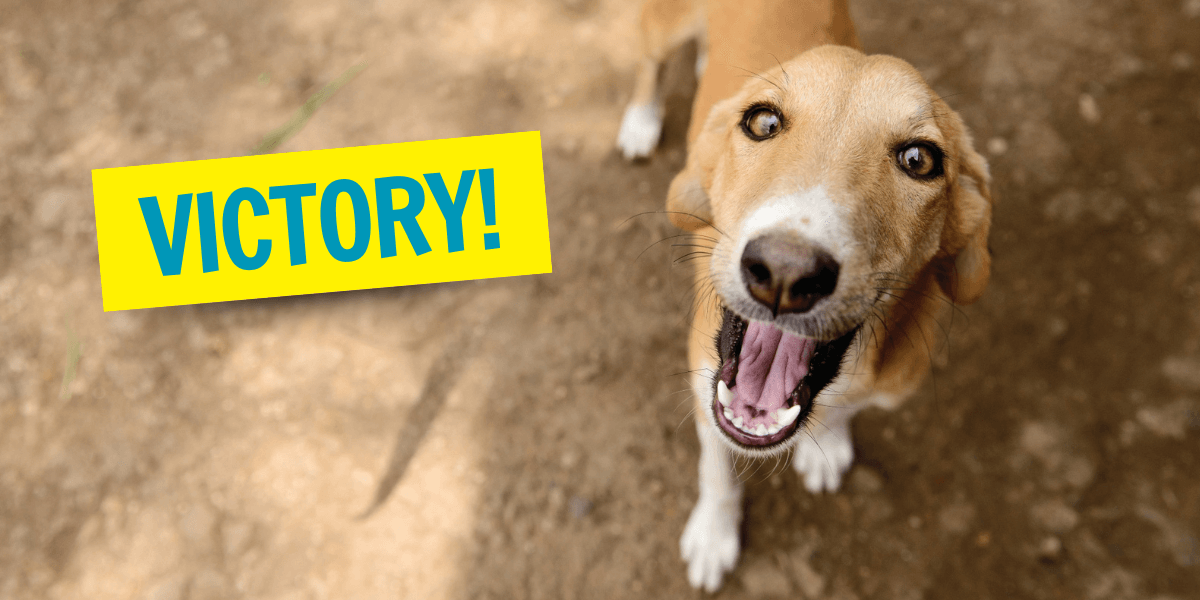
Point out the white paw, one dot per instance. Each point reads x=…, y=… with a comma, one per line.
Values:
x=710, y=543
x=640, y=130
x=824, y=458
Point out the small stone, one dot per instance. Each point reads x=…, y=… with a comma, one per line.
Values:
x=569, y=459
x=556, y=498
x=956, y=518
x=1183, y=371
x=1089, y=109
x=1039, y=439
x=1054, y=516
x=865, y=480
x=1078, y=471
x=1191, y=8
x=810, y=581
x=579, y=507
x=587, y=372
x=762, y=578
x=1193, y=198
x=1057, y=327
x=1170, y=421
x=1050, y=548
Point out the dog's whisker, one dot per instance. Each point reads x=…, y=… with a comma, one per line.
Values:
x=670, y=237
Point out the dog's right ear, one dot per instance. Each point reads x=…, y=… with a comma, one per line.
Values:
x=687, y=200
x=688, y=203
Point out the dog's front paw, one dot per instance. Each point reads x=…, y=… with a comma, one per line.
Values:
x=710, y=544
x=823, y=458
x=640, y=130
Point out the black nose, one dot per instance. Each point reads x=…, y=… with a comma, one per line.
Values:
x=787, y=275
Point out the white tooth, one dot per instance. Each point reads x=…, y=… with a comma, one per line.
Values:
x=760, y=430
x=723, y=394
x=787, y=417
x=737, y=422
x=729, y=414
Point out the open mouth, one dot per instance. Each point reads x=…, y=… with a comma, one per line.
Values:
x=768, y=379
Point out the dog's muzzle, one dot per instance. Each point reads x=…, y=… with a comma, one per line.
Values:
x=768, y=379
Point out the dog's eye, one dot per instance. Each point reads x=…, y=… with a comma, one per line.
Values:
x=762, y=122
x=920, y=160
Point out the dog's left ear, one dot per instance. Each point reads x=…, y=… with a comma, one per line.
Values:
x=967, y=261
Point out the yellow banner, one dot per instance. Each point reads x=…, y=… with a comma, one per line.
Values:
x=321, y=221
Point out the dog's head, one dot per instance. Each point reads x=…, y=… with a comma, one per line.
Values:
x=830, y=181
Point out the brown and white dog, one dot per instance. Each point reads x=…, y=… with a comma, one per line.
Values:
x=845, y=210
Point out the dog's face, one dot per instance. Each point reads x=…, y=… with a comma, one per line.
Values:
x=832, y=181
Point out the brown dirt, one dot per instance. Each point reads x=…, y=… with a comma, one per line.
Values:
x=533, y=427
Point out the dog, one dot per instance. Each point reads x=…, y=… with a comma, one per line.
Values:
x=845, y=212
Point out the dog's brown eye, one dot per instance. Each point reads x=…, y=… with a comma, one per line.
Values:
x=762, y=122
x=920, y=160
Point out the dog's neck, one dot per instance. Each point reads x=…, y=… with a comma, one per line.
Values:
x=746, y=37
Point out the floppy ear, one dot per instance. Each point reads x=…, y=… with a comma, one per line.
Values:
x=688, y=204
x=687, y=200
x=967, y=262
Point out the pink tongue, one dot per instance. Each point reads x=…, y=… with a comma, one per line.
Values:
x=771, y=364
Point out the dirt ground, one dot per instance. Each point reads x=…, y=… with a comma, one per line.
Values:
x=529, y=437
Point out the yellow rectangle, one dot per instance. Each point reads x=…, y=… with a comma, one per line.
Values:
x=139, y=254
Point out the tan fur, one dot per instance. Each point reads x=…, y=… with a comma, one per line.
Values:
x=858, y=104
x=907, y=248
x=753, y=36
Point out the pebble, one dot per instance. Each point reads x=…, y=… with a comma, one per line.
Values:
x=956, y=518
x=865, y=480
x=1183, y=371
x=1050, y=548
x=1089, y=109
x=1054, y=516
x=1170, y=421
x=1193, y=200
x=762, y=578
x=579, y=507
x=810, y=581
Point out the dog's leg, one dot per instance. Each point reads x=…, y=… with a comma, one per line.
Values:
x=710, y=540
x=665, y=25
x=826, y=451
x=642, y=124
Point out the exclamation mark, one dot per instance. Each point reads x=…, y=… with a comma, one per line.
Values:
x=487, y=184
